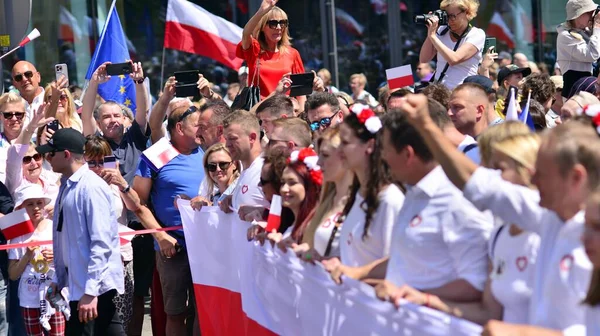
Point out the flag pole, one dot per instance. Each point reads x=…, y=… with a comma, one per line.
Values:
x=162, y=69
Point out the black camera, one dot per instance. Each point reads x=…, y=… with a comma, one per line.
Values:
x=441, y=14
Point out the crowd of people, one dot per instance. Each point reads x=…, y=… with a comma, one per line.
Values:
x=428, y=192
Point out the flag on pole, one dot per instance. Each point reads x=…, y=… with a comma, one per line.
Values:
x=159, y=154
x=400, y=77
x=16, y=224
x=274, y=219
x=30, y=37
x=193, y=29
x=112, y=47
x=511, y=104
x=525, y=116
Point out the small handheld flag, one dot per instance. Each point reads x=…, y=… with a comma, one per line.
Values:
x=16, y=224
x=159, y=154
x=30, y=37
x=274, y=219
x=399, y=77
x=511, y=105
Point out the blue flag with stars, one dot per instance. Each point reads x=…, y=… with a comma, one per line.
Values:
x=112, y=47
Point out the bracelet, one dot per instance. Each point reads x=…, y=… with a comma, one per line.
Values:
x=139, y=81
x=126, y=190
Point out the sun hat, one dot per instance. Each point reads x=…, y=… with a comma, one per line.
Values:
x=575, y=8
x=29, y=191
x=558, y=81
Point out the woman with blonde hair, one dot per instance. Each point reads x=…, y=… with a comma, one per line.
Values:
x=223, y=173
x=62, y=106
x=498, y=133
x=267, y=49
x=458, y=45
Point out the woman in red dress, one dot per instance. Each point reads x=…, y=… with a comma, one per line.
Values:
x=266, y=39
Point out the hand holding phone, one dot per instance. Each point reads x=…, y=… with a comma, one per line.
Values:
x=110, y=162
x=119, y=69
x=54, y=125
x=61, y=70
x=302, y=84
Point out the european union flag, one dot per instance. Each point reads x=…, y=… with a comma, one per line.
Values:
x=112, y=47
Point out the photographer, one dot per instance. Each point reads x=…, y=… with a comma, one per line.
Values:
x=457, y=44
x=578, y=42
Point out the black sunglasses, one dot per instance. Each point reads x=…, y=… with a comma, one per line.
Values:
x=19, y=77
x=35, y=157
x=212, y=167
x=325, y=122
x=95, y=163
x=9, y=115
x=273, y=23
x=189, y=111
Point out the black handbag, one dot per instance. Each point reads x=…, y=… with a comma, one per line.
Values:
x=250, y=95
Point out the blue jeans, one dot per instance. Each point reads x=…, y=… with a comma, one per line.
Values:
x=16, y=325
x=3, y=297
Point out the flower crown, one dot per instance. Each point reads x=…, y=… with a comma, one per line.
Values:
x=309, y=158
x=367, y=117
x=592, y=111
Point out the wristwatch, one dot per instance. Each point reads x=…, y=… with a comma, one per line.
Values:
x=126, y=190
x=139, y=81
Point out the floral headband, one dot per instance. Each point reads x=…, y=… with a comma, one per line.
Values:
x=592, y=111
x=367, y=117
x=309, y=158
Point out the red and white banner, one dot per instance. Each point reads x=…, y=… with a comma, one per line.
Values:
x=243, y=288
x=498, y=28
x=193, y=29
x=159, y=154
x=400, y=77
x=16, y=224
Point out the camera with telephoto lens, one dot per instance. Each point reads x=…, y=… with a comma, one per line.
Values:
x=595, y=13
x=441, y=14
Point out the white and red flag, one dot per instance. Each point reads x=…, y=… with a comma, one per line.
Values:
x=16, y=224
x=400, y=77
x=193, y=29
x=498, y=28
x=274, y=219
x=159, y=154
x=30, y=37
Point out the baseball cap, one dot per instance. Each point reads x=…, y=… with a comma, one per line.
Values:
x=481, y=80
x=64, y=139
x=504, y=55
x=29, y=191
x=510, y=69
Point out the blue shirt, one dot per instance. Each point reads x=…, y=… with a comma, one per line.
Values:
x=92, y=233
x=181, y=176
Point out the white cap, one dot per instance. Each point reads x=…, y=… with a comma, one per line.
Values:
x=29, y=191
x=243, y=71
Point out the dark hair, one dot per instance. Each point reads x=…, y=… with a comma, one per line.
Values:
x=276, y=158
x=319, y=99
x=537, y=113
x=541, y=87
x=438, y=113
x=398, y=94
x=219, y=108
x=308, y=205
x=96, y=146
x=378, y=173
x=277, y=106
x=438, y=92
x=403, y=134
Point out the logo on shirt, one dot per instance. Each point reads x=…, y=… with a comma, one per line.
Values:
x=244, y=189
x=415, y=221
x=521, y=263
x=566, y=262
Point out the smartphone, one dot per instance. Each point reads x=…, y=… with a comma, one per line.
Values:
x=110, y=162
x=61, y=70
x=302, y=84
x=119, y=69
x=54, y=125
x=489, y=42
x=187, y=77
x=187, y=90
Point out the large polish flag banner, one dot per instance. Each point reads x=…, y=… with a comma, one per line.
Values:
x=193, y=29
x=244, y=288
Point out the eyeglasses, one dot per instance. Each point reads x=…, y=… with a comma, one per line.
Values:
x=274, y=23
x=35, y=157
x=189, y=111
x=62, y=97
x=212, y=167
x=19, y=77
x=325, y=122
x=95, y=163
x=454, y=16
x=9, y=115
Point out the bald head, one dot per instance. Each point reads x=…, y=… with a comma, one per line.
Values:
x=26, y=79
x=521, y=60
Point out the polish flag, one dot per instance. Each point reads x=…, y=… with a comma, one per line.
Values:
x=125, y=239
x=348, y=22
x=159, y=154
x=399, y=77
x=512, y=110
x=32, y=36
x=274, y=219
x=193, y=29
x=498, y=28
x=16, y=224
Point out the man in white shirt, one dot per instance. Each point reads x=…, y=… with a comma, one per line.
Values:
x=440, y=238
x=567, y=168
x=27, y=80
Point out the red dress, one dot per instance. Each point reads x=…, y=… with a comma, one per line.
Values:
x=273, y=65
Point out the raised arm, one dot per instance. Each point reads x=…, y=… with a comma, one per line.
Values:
x=249, y=28
x=464, y=52
x=89, y=99
x=159, y=111
x=141, y=97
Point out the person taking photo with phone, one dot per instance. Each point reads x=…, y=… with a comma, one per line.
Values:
x=457, y=44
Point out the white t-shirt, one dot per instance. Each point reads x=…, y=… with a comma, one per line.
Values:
x=562, y=271
x=247, y=191
x=457, y=73
x=356, y=251
x=439, y=237
x=323, y=235
x=592, y=320
x=29, y=285
x=513, y=271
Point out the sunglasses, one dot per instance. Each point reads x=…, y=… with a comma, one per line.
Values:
x=325, y=122
x=35, y=157
x=62, y=97
x=19, y=77
x=212, y=167
x=9, y=115
x=189, y=111
x=274, y=23
x=95, y=163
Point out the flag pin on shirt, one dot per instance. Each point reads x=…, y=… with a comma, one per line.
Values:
x=415, y=221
